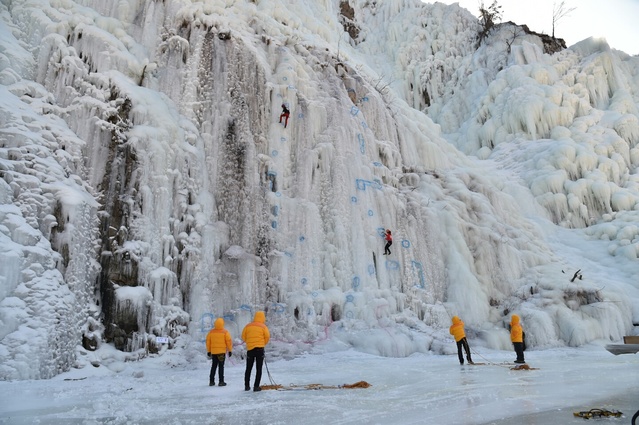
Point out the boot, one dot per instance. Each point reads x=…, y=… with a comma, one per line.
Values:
x=211, y=383
x=222, y=384
x=257, y=389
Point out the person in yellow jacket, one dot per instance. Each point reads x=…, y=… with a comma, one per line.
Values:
x=517, y=338
x=218, y=342
x=256, y=336
x=457, y=330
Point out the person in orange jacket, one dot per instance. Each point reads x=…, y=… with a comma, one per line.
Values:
x=218, y=342
x=457, y=330
x=256, y=336
x=517, y=338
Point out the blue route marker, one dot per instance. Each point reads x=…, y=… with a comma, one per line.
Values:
x=420, y=273
x=362, y=184
x=392, y=265
x=356, y=282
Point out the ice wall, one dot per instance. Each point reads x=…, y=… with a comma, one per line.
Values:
x=173, y=195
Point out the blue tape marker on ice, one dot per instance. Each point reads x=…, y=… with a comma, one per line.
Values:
x=356, y=281
x=392, y=265
x=362, y=184
x=420, y=273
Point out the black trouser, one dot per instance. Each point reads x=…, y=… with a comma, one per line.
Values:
x=386, y=248
x=519, y=349
x=463, y=343
x=217, y=360
x=256, y=356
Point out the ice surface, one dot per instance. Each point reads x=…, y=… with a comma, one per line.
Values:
x=420, y=389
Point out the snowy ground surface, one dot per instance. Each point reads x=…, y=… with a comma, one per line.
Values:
x=420, y=389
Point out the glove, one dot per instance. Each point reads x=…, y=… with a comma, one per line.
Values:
x=230, y=353
x=209, y=355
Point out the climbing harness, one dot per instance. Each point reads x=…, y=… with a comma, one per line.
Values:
x=598, y=413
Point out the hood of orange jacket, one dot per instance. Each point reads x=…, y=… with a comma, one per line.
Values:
x=259, y=317
x=219, y=323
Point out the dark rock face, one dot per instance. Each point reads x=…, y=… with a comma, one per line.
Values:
x=347, y=17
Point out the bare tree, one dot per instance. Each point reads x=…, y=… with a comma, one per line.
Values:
x=560, y=10
x=488, y=17
x=514, y=32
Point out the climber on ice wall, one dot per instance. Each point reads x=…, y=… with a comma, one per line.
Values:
x=389, y=241
x=285, y=114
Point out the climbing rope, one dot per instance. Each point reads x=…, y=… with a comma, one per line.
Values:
x=292, y=387
x=276, y=386
x=598, y=413
x=270, y=378
x=523, y=367
x=506, y=365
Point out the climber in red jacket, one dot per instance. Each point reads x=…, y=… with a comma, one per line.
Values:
x=285, y=114
x=389, y=241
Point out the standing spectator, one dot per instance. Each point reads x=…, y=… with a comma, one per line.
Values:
x=517, y=338
x=457, y=330
x=256, y=336
x=218, y=342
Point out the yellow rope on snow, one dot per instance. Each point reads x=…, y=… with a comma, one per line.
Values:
x=592, y=413
x=360, y=384
x=523, y=367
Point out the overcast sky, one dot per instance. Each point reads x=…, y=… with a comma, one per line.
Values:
x=615, y=20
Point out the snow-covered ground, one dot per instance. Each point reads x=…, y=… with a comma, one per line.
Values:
x=420, y=389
